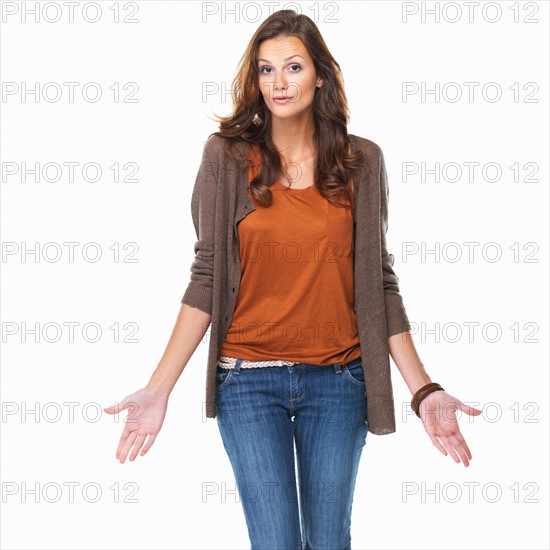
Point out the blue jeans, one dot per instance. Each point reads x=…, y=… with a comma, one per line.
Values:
x=262, y=413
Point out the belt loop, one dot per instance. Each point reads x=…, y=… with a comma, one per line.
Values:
x=237, y=366
x=337, y=368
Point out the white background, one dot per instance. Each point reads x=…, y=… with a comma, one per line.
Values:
x=171, y=52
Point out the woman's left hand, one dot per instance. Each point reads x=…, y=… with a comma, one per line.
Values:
x=437, y=411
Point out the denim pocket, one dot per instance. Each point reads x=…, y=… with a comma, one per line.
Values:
x=356, y=374
x=223, y=377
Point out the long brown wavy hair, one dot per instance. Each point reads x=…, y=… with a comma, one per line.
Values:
x=251, y=118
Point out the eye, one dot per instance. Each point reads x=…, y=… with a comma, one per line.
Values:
x=266, y=67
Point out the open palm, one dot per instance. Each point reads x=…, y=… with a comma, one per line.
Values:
x=146, y=412
x=438, y=414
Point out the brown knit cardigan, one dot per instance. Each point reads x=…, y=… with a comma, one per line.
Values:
x=220, y=200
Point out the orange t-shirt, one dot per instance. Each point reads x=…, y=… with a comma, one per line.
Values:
x=296, y=296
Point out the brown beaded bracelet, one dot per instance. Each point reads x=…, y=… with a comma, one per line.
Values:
x=421, y=393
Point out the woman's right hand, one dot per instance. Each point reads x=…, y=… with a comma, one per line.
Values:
x=146, y=412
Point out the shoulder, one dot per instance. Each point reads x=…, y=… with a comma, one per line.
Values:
x=221, y=149
x=372, y=150
x=214, y=145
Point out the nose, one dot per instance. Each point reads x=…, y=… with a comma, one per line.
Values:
x=281, y=85
x=281, y=88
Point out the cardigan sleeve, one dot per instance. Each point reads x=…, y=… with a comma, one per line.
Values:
x=199, y=292
x=396, y=315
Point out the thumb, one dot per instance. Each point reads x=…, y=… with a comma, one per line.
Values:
x=468, y=409
x=116, y=408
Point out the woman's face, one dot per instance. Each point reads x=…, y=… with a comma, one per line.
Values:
x=286, y=70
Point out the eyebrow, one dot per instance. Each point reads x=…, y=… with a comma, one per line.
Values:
x=296, y=55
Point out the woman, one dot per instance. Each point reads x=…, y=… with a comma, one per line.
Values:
x=294, y=276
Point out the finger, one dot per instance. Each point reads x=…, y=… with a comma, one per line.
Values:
x=448, y=445
x=462, y=441
x=438, y=445
x=127, y=446
x=457, y=446
x=122, y=441
x=114, y=409
x=137, y=446
x=468, y=409
x=149, y=444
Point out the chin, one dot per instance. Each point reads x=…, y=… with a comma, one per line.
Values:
x=290, y=113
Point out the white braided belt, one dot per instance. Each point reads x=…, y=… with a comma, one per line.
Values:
x=225, y=362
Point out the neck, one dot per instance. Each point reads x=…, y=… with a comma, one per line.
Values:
x=293, y=138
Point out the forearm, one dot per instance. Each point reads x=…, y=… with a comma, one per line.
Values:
x=189, y=329
x=404, y=355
